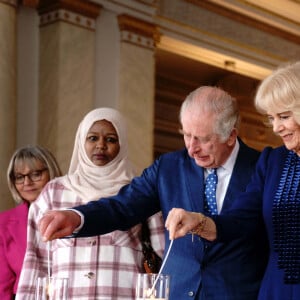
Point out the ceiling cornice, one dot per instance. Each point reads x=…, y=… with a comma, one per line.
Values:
x=246, y=19
x=138, y=26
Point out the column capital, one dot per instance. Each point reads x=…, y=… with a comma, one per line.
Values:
x=77, y=12
x=139, y=32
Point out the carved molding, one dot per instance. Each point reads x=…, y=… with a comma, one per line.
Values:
x=138, y=32
x=83, y=7
x=78, y=12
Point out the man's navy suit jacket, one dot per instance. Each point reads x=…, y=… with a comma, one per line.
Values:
x=199, y=269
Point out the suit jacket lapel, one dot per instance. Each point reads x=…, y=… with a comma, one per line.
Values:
x=194, y=180
x=244, y=163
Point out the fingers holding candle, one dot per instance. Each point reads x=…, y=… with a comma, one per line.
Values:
x=58, y=223
x=181, y=222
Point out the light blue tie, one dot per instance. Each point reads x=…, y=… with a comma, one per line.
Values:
x=210, y=202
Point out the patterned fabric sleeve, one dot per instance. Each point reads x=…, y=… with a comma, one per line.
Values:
x=35, y=261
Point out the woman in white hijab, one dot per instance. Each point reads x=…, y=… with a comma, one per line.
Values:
x=99, y=267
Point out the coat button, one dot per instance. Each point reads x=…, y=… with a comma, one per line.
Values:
x=191, y=293
x=89, y=275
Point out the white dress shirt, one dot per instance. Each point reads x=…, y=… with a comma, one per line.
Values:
x=224, y=174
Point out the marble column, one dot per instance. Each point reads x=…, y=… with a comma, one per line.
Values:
x=137, y=86
x=66, y=82
x=7, y=94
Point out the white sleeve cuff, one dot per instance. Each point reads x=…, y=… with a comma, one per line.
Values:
x=81, y=220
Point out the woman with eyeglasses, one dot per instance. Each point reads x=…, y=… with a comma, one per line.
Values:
x=29, y=170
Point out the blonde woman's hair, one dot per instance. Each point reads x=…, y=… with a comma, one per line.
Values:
x=29, y=155
x=280, y=91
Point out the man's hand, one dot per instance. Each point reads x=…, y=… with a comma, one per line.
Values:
x=58, y=223
x=180, y=222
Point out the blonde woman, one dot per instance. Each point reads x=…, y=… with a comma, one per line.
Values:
x=29, y=170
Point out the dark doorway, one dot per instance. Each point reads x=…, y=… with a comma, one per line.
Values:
x=177, y=76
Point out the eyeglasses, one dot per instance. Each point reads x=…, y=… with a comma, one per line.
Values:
x=33, y=176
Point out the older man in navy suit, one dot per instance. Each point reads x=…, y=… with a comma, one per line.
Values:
x=199, y=269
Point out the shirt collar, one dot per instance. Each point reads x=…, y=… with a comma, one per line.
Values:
x=229, y=164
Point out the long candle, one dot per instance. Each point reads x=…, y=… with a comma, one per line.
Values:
x=161, y=268
x=49, y=268
x=48, y=252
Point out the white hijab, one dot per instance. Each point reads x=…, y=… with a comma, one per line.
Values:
x=88, y=181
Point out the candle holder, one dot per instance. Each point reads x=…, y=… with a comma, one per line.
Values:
x=148, y=286
x=51, y=288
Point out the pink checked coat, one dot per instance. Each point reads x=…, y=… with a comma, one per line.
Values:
x=13, y=228
x=98, y=268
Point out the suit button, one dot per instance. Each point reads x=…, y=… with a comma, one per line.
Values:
x=191, y=293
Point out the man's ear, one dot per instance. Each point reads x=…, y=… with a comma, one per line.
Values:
x=232, y=137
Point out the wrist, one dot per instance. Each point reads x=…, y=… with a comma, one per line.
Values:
x=201, y=225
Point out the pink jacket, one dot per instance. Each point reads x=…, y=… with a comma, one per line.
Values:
x=13, y=232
